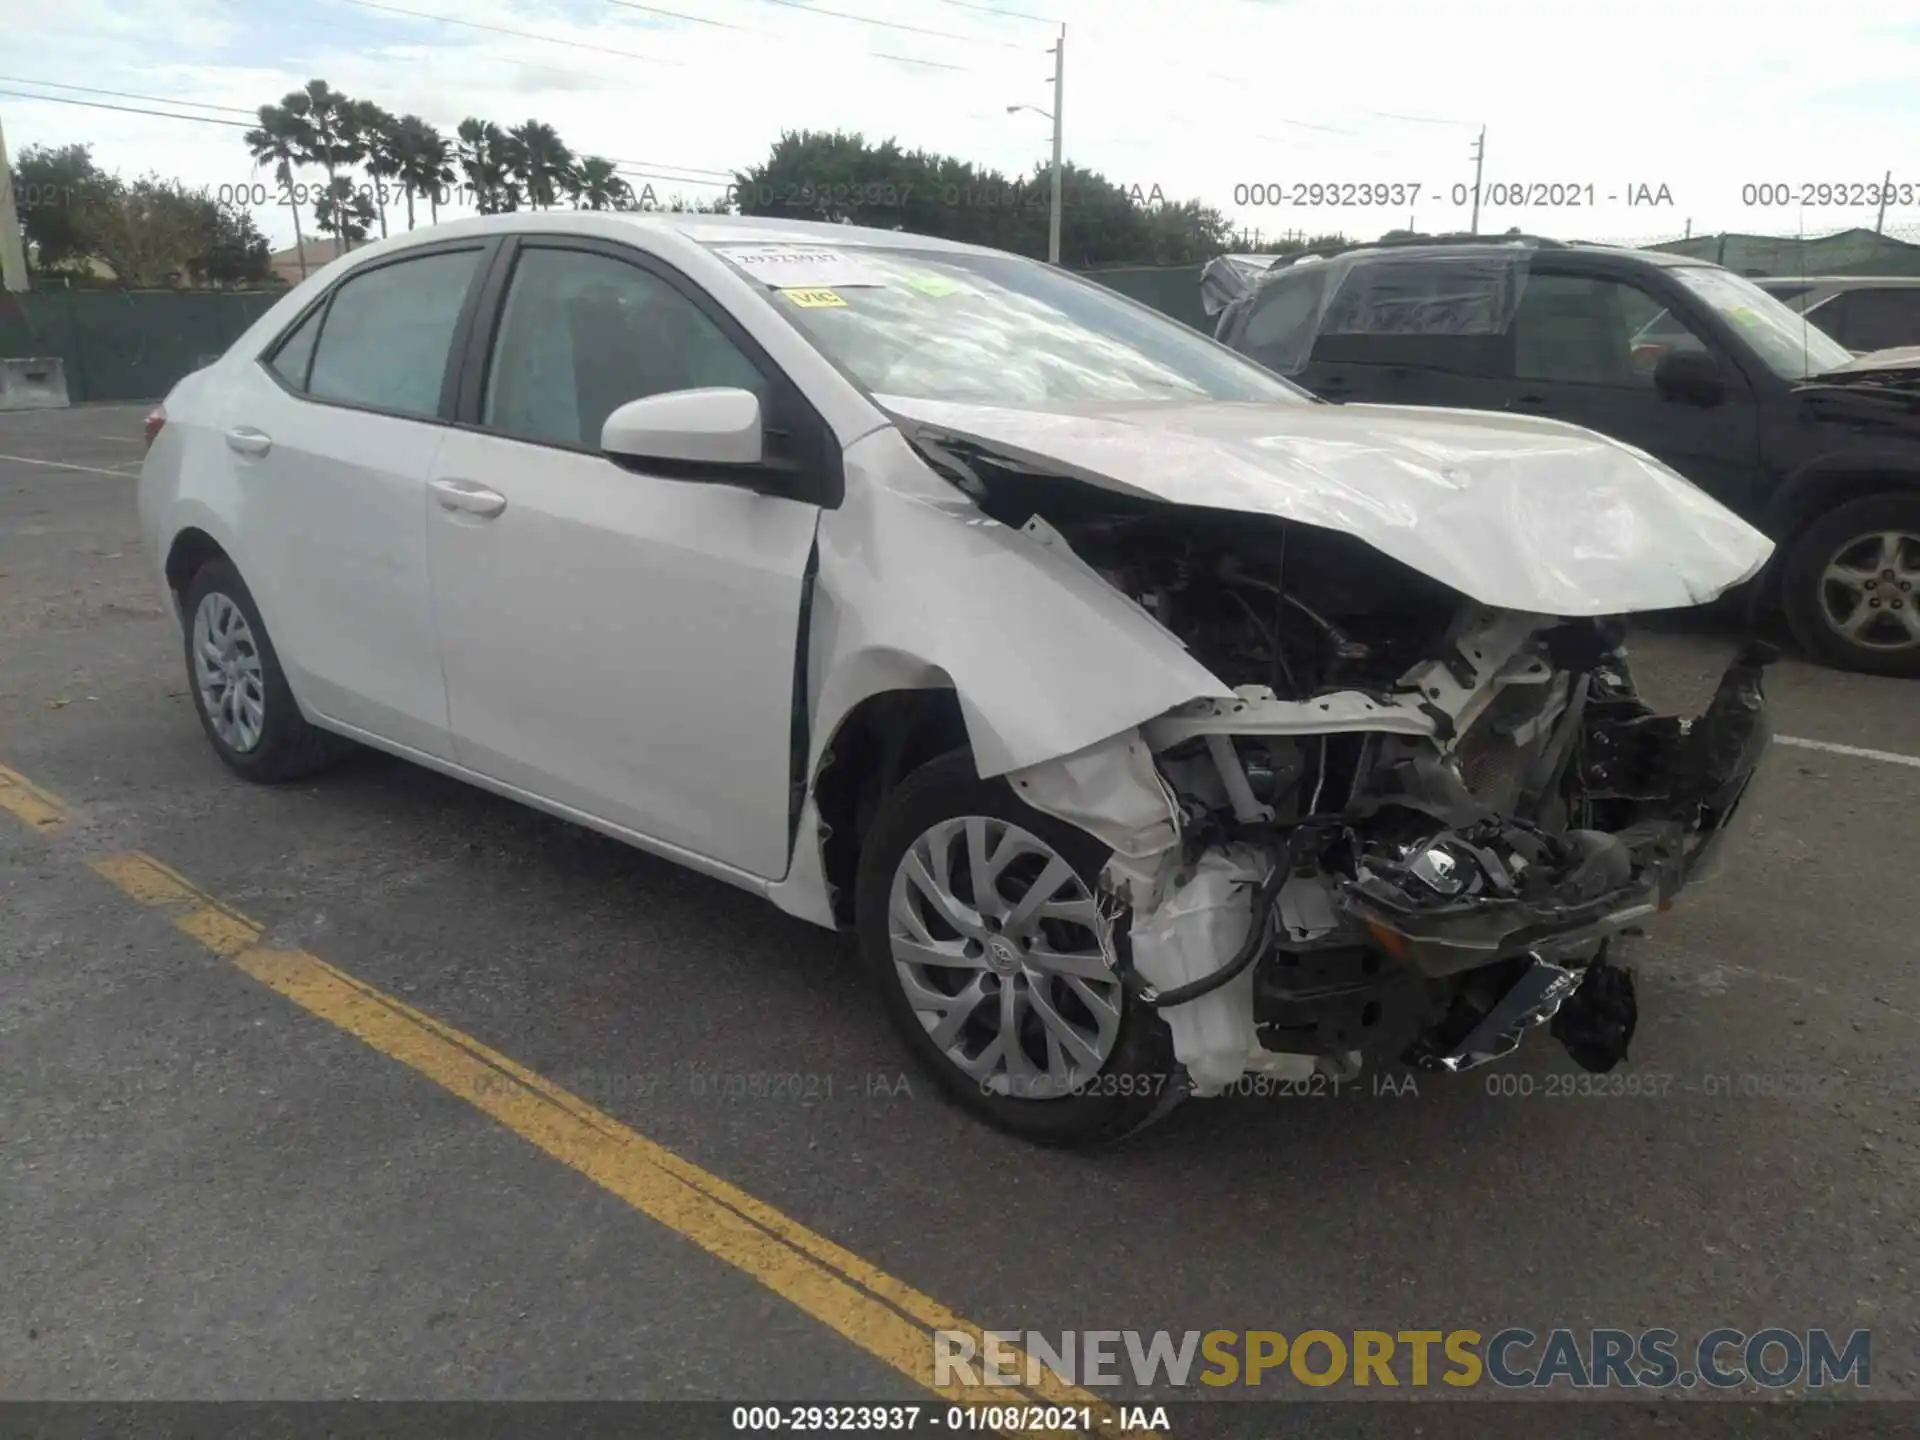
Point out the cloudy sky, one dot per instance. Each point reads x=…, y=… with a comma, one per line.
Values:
x=1208, y=98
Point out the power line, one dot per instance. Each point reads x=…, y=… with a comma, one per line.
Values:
x=1006, y=14
x=892, y=24
x=676, y=15
x=129, y=109
x=516, y=34
x=665, y=165
x=770, y=39
x=674, y=179
x=125, y=94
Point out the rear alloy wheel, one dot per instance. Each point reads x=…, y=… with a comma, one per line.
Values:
x=1852, y=586
x=980, y=918
x=238, y=687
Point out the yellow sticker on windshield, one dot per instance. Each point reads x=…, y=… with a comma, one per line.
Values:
x=935, y=285
x=814, y=299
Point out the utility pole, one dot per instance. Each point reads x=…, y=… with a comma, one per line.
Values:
x=13, y=251
x=1479, y=159
x=1059, y=87
x=1878, y=224
x=1689, y=234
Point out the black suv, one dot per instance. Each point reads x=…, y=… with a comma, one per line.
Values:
x=1677, y=357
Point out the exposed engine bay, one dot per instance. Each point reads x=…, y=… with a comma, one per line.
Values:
x=1414, y=833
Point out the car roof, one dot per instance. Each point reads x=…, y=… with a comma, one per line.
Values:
x=1427, y=248
x=1840, y=282
x=701, y=229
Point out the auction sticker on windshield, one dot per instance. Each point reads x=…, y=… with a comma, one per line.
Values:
x=801, y=267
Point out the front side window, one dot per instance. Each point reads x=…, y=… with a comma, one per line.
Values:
x=584, y=333
x=992, y=329
x=1584, y=330
x=388, y=331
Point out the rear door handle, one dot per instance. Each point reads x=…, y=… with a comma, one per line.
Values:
x=468, y=498
x=245, y=440
x=1529, y=402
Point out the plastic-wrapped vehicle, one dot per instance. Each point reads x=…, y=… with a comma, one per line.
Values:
x=1152, y=723
x=1687, y=361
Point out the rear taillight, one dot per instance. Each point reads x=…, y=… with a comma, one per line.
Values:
x=156, y=417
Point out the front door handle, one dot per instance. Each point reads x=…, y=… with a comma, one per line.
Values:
x=245, y=440
x=1529, y=402
x=468, y=498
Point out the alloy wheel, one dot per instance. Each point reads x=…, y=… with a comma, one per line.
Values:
x=227, y=673
x=1001, y=950
x=1870, y=588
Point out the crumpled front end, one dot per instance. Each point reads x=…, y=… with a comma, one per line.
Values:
x=1417, y=871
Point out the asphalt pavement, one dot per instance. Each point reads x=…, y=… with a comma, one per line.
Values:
x=217, y=1182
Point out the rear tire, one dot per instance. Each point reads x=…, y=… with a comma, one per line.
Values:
x=1079, y=1077
x=1849, y=541
x=239, y=690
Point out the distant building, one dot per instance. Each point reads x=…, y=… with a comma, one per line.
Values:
x=1849, y=252
x=285, y=264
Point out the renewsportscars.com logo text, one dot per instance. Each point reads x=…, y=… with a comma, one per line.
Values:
x=1512, y=1358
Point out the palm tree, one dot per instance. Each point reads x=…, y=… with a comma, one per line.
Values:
x=594, y=185
x=541, y=161
x=485, y=155
x=282, y=141
x=344, y=210
x=426, y=163
x=375, y=131
x=331, y=143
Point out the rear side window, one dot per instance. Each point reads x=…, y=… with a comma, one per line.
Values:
x=388, y=332
x=1286, y=316
x=295, y=355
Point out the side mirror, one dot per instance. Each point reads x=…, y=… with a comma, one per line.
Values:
x=1691, y=375
x=719, y=426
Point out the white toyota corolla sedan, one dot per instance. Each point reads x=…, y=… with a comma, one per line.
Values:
x=1159, y=729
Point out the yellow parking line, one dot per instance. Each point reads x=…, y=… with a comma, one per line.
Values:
x=883, y=1316
x=33, y=807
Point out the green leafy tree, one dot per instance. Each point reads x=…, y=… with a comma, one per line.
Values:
x=426, y=163
x=485, y=156
x=708, y=205
x=331, y=142
x=842, y=177
x=376, y=134
x=282, y=142
x=344, y=211
x=540, y=160
x=233, y=251
x=150, y=231
x=53, y=188
x=597, y=186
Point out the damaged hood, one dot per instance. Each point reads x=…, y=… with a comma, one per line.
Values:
x=1882, y=369
x=1519, y=513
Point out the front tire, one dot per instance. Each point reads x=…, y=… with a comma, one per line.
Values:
x=1851, y=585
x=239, y=690
x=979, y=918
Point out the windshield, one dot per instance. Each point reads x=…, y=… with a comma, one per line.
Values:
x=992, y=330
x=1791, y=345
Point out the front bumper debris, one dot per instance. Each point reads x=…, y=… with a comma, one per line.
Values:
x=1683, y=820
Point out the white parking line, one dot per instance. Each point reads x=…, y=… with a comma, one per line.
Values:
x=1856, y=751
x=67, y=465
